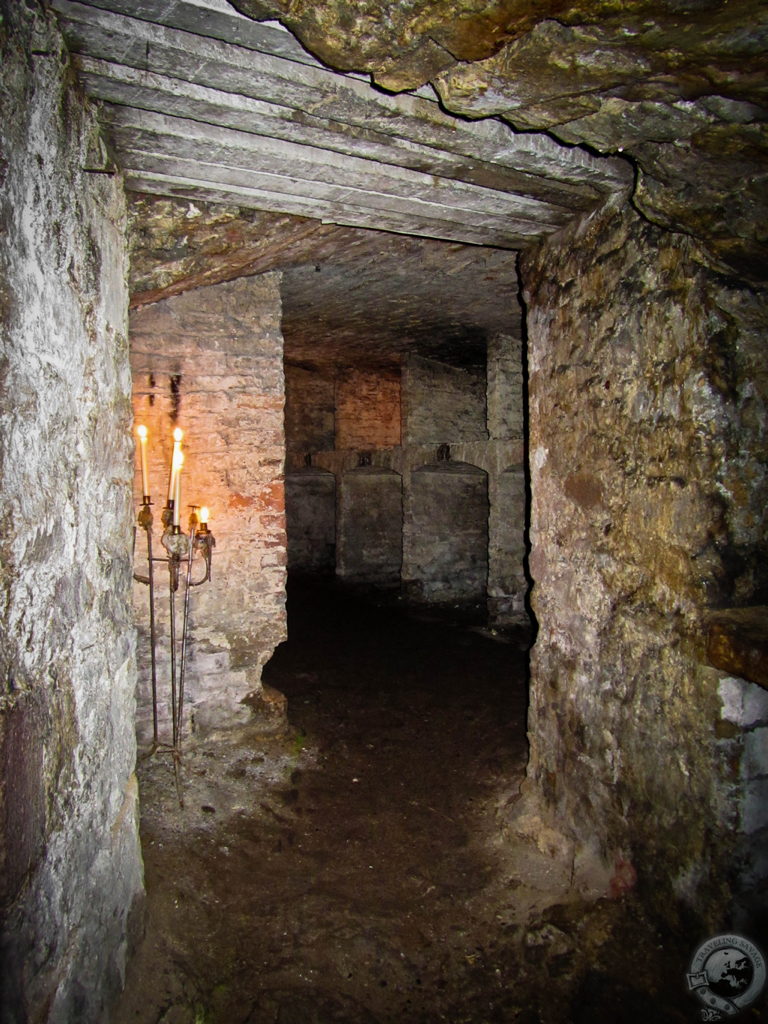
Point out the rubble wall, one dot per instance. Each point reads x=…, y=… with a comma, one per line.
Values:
x=649, y=489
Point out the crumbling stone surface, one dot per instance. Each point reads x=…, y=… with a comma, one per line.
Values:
x=70, y=864
x=642, y=521
x=679, y=88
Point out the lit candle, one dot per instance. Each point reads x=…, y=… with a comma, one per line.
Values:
x=204, y=515
x=142, y=432
x=177, y=486
x=177, y=436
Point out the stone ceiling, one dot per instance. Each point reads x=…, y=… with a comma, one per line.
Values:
x=350, y=295
x=276, y=162
x=201, y=102
x=679, y=86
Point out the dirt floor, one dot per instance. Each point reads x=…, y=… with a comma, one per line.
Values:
x=364, y=865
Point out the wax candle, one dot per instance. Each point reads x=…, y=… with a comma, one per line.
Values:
x=177, y=436
x=142, y=432
x=177, y=488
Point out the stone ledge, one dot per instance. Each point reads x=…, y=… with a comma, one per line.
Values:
x=737, y=642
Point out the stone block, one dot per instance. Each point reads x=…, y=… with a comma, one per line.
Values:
x=743, y=703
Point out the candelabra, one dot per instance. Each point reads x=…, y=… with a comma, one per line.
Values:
x=182, y=551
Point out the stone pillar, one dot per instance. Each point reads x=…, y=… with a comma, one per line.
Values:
x=210, y=361
x=70, y=864
x=649, y=486
x=507, y=583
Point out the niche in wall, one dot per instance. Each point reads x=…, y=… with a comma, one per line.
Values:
x=447, y=534
x=310, y=507
x=370, y=526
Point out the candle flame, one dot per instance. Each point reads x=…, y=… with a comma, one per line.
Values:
x=142, y=432
x=178, y=434
x=204, y=514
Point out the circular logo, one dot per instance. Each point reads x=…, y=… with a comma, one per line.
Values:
x=727, y=974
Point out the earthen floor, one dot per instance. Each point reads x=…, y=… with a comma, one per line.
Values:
x=363, y=866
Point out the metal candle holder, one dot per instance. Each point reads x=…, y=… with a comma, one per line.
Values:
x=181, y=550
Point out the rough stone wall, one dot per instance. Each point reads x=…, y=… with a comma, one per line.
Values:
x=649, y=490
x=442, y=403
x=310, y=414
x=70, y=864
x=210, y=361
x=368, y=409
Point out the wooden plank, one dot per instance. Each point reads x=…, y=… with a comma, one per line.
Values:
x=315, y=90
x=323, y=201
x=308, y=167
x=215, y=19
x=195, y=189
x=125, y=86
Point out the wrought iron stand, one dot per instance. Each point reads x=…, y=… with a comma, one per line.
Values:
x=182, y=550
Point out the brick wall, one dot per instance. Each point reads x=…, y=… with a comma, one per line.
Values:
x=368, y=409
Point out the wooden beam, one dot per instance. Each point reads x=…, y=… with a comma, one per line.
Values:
x=130, y=87
x=315, y=90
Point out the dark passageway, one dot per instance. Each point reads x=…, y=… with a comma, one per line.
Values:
x=338, y=873
x=357, y=868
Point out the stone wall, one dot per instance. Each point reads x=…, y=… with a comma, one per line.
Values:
x=445, y=557
x=310, y=414
x=370, y=528
x=649, y=489
x=210, y=361
x=70, y=865
x=442, y=403
x=450, y=549
x=310, y=510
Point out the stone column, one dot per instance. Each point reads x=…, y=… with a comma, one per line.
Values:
x=211, y=362
x=507, y=584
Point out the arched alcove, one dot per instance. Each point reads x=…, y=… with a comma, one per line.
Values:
x=370, y=533
x=310, y=517
x=448, y=533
